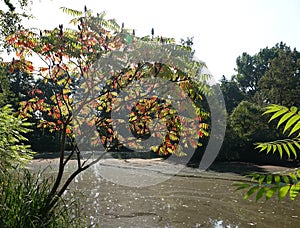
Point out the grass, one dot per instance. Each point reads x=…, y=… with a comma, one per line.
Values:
x=23, y=195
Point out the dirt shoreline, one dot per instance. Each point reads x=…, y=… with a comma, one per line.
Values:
x=241, y=168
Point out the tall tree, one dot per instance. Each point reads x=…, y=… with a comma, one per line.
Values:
x=281, y=82
x=250, y=69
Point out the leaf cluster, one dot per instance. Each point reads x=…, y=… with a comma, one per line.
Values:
x=289, y=120
x=268, y=184
x=13, y=148
x=284, y=183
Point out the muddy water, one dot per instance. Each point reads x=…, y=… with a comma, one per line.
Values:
x=188, y=199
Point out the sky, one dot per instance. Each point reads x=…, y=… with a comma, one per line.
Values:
x=222, y=29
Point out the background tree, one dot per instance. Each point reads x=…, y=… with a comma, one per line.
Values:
x=248, y=127
x=250, y=69
x=281, y=82
x=231, y=92
x=270, y=76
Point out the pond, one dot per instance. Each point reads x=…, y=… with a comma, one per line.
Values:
x=190, y=198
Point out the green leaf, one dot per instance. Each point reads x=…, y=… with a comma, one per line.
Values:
x=272, y=108
x=286, y=179
x=277, y=179
x=271, y=192
x=260, y=193
x=71, y=12
x=283, y=191
x=26, y=124
x=292, y=149
x=274, y=148
x=284, y=118
x=294, y=191
x=286, y=150
x=293, y=176
x=297, y=144
x=251, y=191
x=242, y=186
x=280, y=150
x=295, y=128
x=290, y=123
x=262, y=147
x=261, y=179
x=269, y=179
x=277, y=114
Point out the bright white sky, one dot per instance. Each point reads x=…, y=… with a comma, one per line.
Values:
x=222, y=29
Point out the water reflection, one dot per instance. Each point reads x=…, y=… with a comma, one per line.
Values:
x=192, y=199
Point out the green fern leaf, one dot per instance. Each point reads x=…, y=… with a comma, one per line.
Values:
x=272, y=108
x=260, y=193
x=277, y=179
x=274, y=148
x=261, y=179
x=291, y=122
x=283, y=191
x=71, y=12
x=242, y=186
x=271, y=192
x=280, y=150
x=277, y=114
x=287, y=151
x=294, y=191
x=251, y=191
x=297, y=144
x=285, y=179
x=292, y=149
x=295, y=128
x=284, y=118
x=269, y=179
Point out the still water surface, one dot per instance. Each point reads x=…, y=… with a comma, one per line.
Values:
x=189, y=199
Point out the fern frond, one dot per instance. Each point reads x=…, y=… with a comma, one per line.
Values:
x=290, y=118
x=269, y=184
x=284, y=145
x=72, y=12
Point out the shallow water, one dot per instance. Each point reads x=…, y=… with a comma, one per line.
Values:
x=188, y=199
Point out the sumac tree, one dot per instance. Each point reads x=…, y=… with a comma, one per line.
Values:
x=70, y=72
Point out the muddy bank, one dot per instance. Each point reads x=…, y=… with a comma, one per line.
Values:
x=241, y=168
